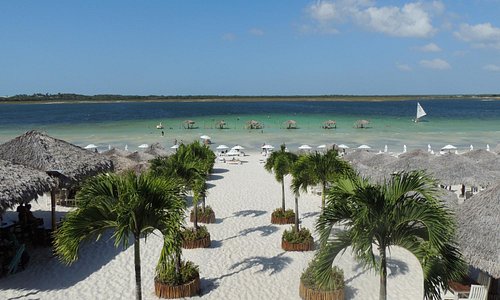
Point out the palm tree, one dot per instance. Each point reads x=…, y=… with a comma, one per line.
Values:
x=405, y=212
x=128, y=204
x=191, y=163
x=317, y=168
x=281, y=162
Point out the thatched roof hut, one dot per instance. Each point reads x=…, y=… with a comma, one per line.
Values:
x=117, y=152
x=361, y=123
x=20, y=184
x=478, y=230
x=457, y=169
x=220, y=124
x=329, y=124
x=290, y=124
x=189, y=124
x=252, y=124
x=140, y=156
x=39, y=151
x=156, y=150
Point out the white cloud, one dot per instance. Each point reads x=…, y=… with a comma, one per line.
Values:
x=436, y=64
x=491, y=68
x=431, y=47
x=229, y=36
x=323, y=11
x=410, y=20
x=480, y=35
x=256, y=31
x=403, y=67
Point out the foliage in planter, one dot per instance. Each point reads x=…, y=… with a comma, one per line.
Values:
x=335, y=282
x=166, y=273
x=297, y=237
x=208, y=211
x=279, y=213
x=189, y=234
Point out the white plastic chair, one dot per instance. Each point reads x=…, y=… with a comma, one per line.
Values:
x=478, y=292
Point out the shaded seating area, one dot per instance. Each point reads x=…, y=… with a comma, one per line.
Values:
x=329, y=124
x=252, y=124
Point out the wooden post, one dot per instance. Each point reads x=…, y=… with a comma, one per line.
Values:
x=53, y=207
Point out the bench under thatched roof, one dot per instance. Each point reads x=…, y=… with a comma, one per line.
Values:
x=20, y=184
x=478, y=230
x=39, y=151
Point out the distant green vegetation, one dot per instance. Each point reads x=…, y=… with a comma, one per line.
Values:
x=61, y=97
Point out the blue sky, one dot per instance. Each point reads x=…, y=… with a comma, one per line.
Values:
x=224, y=47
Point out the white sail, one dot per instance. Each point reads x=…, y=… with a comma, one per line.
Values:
x=420, y=112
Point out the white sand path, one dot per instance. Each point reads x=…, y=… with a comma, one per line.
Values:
x=245, y=260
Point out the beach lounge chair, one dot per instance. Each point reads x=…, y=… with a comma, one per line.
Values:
x=478, y=292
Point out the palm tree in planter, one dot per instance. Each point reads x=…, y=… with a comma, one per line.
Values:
x=206, y=158
x=128, y=204
x=191, y=170
x=403, y=211
x=322, y=169
x=280, y=163
x=297, y=239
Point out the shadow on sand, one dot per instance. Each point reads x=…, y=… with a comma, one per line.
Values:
x=272, y=265
x=92, y=256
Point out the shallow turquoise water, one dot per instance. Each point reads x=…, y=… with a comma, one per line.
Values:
x=458, y=122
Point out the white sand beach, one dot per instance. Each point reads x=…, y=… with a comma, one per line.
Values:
x=245, y=260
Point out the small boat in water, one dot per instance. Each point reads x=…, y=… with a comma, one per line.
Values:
x=159, y=126
x=420, y=112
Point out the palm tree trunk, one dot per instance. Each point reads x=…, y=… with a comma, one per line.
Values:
x=137, y=264
x=383, y=274
x=203, y=203
x=296, y=213
x=195, y=217
x=323, y=196
x=283, y=193
x=177, y=259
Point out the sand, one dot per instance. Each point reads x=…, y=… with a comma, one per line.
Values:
x=245, y=260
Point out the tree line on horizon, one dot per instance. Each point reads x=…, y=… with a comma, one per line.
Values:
x=41, y=97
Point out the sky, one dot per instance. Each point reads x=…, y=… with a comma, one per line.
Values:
x=253, y=47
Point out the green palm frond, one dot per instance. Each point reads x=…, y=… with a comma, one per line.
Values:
x=403, y=211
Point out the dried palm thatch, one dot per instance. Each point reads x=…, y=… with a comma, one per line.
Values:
x=20, y=184
x=39, y=151
x=290, y=124
x=115, y=152
x=457, y=169
x=361, y=123
x=156, y=150
x=478, y=230
x=414, y=160
x=329, y=124
x=140, y=156
x=252, y=124
x=485, y=159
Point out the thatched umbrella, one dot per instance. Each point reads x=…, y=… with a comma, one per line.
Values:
x=20, y=184
x=329, y=124
x=290, y=124
x=140, y=156
x=362, y=123
x=116, y=152
x=485, y=159
x=457, y=169
x=42, y=152
x=70, y=163
x=220, y=124
x=252, y=124
x=414, y=160
x=156, y=150
x=189, y=124
x=478, y=230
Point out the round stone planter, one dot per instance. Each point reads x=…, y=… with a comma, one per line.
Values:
x=310, y=294
x=201, y=243
x=306, y=246
x=206, y=219
x=188, y=289
x=282, y=220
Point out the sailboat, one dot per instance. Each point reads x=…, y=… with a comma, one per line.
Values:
x=420, y=112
